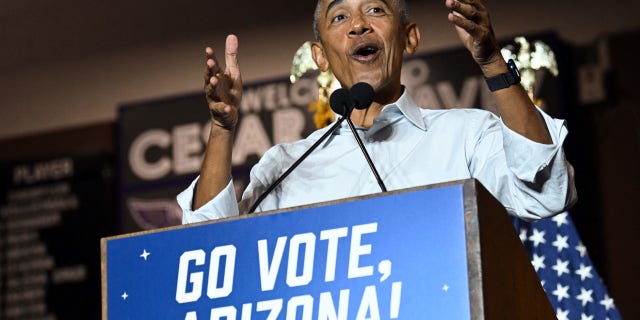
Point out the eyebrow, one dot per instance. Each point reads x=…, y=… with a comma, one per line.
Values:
x=331, y=5
x=337, y=2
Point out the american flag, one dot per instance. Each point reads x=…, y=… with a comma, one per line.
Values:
x=570, y=280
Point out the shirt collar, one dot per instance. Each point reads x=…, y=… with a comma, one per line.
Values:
x=404, y=106
x=409, y=109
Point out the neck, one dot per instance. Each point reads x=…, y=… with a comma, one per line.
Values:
x=365, y=117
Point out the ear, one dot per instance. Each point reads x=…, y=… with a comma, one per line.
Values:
x=413, y=37
x=317, y=53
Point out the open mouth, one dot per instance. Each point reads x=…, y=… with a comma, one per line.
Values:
x=366, y=52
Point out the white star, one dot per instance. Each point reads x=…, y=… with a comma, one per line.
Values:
x=538, y=262
x=445, y=288
x=607, y=302
x=585, y=317
x=585, y=296
x=562, y=315
x=560, y=219
x=124, y=296
x=584, y=272
x=145, y=254
x=537, y=237
x=582, y=249
x=561, y=292
x=561, y=242
x=561, y=267
x=523, y=235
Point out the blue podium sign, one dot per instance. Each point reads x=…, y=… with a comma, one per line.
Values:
x=393, y=256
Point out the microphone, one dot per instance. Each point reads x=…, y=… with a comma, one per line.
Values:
x=339, y=100
x=362, y=95
x=361, y=98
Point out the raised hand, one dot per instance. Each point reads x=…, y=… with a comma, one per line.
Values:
x=473, y=26
x=223, y=88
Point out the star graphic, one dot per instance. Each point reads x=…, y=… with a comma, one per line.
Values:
x=523, y=235
x=562, y=314
x=445, y=288
x=584, y=272
x=607, y=302
x=582, y=249
x=538, y=262
x=585, y=296
x=537, y=237
x=560, y=219
x=124, y=296
x=585, y=317
x=561, y=267
x=145, y=254
x=561, y=292
x=561, y=242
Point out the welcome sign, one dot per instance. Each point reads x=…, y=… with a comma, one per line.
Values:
x=392, y=256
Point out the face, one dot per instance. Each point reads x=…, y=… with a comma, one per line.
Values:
x=364, y=41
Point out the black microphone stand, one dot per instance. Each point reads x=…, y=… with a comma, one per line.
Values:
x=295, y=164
x=366, y=155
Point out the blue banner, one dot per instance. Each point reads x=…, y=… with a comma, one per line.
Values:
x=383, y=257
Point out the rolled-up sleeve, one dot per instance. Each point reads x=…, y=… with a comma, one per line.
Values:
x=221, y=206
x=545, y=180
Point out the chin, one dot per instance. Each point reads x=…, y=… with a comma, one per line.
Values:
x=373, y=81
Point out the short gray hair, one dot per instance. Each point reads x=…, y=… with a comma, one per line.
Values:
x=400, y=4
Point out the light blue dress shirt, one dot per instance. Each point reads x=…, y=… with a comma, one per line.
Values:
x=410, y=146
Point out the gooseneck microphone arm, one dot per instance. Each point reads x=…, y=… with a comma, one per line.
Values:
x=361, y=98
x=339, y=100
x=366, y=155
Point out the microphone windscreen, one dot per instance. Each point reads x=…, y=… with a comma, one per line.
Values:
x=362, y=95
x=339, y=101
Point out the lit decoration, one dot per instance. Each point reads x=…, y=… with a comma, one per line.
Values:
x=303, y=63
x=528, y=62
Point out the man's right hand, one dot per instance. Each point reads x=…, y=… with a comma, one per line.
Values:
x=223, y=89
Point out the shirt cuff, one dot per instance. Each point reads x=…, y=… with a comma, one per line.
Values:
x=223, y=205
x=525, y=157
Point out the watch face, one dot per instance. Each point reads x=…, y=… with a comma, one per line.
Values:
x=514, y=70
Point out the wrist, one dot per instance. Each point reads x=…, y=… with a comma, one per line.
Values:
x=494, y=68
x=218, y=131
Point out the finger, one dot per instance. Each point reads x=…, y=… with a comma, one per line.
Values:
x=231, y=57
x=469, y=9
x=213, y=68
x=477, y=32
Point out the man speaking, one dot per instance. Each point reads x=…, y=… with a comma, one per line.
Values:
x=517, y=156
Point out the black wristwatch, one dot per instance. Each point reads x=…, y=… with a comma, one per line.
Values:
x=505, y=80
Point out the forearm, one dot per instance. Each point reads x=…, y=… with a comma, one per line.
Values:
x=516, y=108
x=215, y=173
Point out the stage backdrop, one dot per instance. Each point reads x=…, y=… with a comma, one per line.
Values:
x=161, y=142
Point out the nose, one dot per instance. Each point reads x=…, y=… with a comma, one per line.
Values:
x=359, y=25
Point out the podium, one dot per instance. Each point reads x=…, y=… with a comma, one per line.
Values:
x=446, y=251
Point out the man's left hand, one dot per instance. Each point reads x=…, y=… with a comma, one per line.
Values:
x=473, y=26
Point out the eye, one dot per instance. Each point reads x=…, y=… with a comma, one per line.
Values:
x=338, y=18
x=375, y=10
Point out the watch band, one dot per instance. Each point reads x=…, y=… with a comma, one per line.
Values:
x=504, y=80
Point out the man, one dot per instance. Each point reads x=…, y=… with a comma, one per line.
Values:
x=518, y=157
